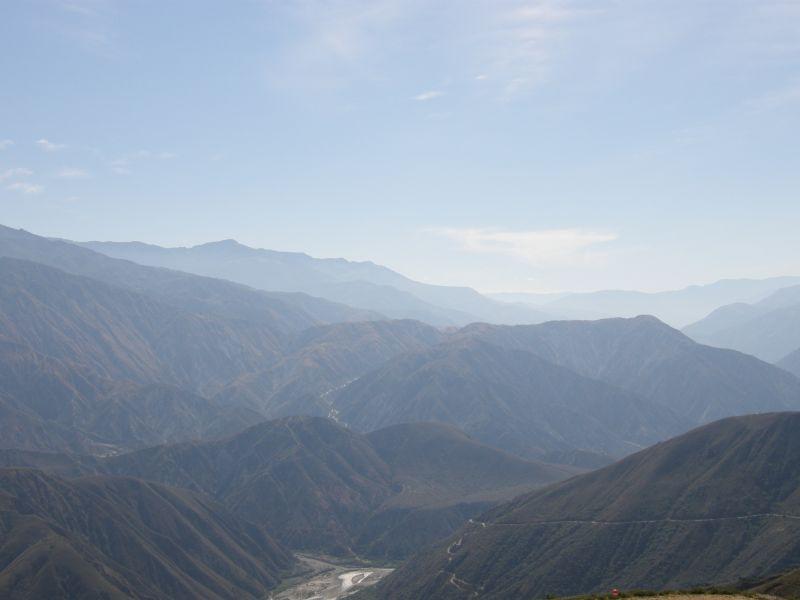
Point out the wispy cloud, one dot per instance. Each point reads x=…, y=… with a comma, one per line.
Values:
x=5, y=144
x=543, y=248
x=49, y=146
x=122, y=165
x=523, y=42
x=15, y=173
x=429, y=95
x=511, y=43
x=25, y=187
x=336, y=42
x=72, y=173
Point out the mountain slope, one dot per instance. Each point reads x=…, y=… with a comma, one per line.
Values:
x=791, y=362
x=716, y=504
x=769, y=329
x=120, y=334
x=785, y=585
x=650, y=359
x=104, y=537
x=361, y=284
x=321, y=359
x=321, y=487
x=505, y=397
x=62, y=407
x=106, y=337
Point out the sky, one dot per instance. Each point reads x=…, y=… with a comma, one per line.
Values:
x=508, y=145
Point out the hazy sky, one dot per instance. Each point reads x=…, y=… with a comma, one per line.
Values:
x=502, y=144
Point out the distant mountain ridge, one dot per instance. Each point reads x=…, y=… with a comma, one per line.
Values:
x=285, y=313
x=363, y=285
x=768, y=329
x=677, y=308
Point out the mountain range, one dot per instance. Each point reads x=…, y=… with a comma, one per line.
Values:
x=678, y=308
x=317, y=486
x=582, y=392
x=374, y=287
x=152, y=371
x=712, y=506
x=363, y=285
x=283, y=422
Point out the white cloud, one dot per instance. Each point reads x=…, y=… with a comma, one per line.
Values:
x=429, y=95
x=523, y=41
x=72, y=173
x=49, y=146
x=543, y=248
x=15, y=173
x=25, y=188
x=4, y=144
x=349, y=42
x=122, y=166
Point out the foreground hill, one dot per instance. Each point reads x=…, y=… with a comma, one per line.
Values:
x=359, y=284
x=106, y=537
x=785, y=585
x=507, y=398
x=719, y=503
x=319, y=486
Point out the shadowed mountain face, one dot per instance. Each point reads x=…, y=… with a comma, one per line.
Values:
x=106, y=537
x=508, y=398
x=769, y=329
x=360, y=284
x=785, y=585
x=319, y=486
x=716, y=504
x=650, y=359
